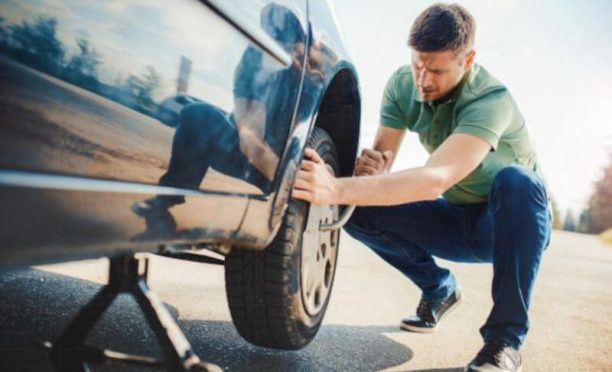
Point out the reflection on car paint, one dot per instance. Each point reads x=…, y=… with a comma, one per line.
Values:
x=98, y=90
x=248, y=142
x=96, y=80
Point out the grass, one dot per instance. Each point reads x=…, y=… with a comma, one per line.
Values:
x=606, y=236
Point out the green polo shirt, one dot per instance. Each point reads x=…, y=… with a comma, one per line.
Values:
x=481, y=106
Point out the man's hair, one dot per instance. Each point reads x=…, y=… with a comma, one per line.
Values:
x=443, y=27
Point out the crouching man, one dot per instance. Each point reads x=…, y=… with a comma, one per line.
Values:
x=478, y=198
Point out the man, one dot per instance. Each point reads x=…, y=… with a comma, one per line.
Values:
x=493, y=206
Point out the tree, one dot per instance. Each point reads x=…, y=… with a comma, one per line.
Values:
x=82, y=69
x=583, y=222
x=142, y=88
x=570, y=221
x=37, y=44
x=86, y=62
x=3, y=33
x=556, y=216
x=600, y=203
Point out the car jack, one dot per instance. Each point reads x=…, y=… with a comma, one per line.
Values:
x=127, y=274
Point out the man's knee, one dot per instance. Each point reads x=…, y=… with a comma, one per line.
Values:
x=201, y=116
x=515, y=183
x=360, y=220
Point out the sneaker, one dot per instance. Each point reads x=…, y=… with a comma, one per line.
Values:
x=496, y=356
x=429, y=314
x=155, y=205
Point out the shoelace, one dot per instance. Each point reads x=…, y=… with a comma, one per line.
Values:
x=492, y=351
x=424, y=311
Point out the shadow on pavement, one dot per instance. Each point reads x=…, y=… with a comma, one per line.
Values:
x=336, y=347
x=36, y=305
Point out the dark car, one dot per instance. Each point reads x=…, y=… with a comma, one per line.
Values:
x=86, y=169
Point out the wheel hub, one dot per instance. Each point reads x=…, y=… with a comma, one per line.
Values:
x=318, y=259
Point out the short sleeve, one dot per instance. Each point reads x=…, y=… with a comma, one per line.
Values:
x=390, y=112
x=250, y=64
x=487, y=117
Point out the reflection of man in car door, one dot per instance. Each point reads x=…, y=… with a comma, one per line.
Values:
x=247, y=143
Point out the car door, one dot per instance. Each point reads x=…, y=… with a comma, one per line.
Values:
x=86, y=89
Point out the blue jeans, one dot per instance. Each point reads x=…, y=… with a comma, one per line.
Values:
x=511, y=231
x=207, y=137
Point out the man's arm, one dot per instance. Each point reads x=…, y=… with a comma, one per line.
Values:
x=250, y=119
x=457, y=157
x=389, y=139
x=379, y=160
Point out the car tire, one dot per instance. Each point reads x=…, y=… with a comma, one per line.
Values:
x=278, y=296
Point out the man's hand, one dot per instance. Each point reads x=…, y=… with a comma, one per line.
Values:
x=314, y=183
x=372, y=162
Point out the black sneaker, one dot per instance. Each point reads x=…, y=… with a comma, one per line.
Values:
x=156, y=205
x=496, y=356
x=429, y=314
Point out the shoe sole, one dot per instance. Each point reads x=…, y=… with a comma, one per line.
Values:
x=409, y=328
x=476, y=370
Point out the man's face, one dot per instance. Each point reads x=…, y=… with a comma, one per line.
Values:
x=437, y=73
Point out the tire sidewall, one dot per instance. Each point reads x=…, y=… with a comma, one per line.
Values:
x=309, y=324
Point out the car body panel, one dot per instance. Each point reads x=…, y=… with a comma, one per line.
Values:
x=80, y=139
x=329, y=56
x=49, y=224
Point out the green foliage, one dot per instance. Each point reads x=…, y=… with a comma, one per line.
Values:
x=606, y=236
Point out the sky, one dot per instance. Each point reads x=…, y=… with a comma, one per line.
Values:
x=555, y=57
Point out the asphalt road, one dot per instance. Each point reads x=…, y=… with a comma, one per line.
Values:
x=571, y=315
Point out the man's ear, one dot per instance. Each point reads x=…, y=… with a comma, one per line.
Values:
x=469, y=60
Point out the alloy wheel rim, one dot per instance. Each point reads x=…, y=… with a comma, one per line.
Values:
x=318, y=258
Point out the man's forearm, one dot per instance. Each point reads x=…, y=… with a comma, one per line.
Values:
x=388, y=139
x=258, y=152
x=410, y=185
x=264, y=159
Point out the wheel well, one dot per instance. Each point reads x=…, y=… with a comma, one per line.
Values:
x=339, y=115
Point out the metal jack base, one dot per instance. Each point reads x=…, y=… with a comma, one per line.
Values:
x=127, y=274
